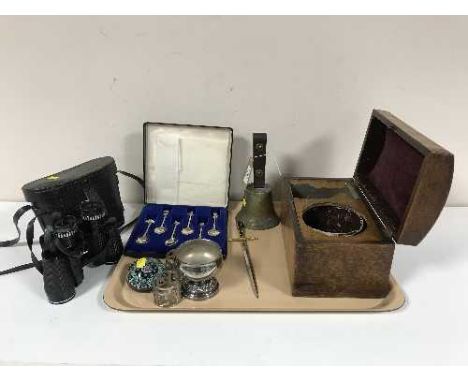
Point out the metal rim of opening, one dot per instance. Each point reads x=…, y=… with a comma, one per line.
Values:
x=360, y=227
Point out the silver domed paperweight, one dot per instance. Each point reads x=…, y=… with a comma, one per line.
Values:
x=199, y=260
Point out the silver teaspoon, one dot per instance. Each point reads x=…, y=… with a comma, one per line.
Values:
x=162, y=228
x=143, y=239
x=188, y=230
x=172, y=240
x=213, y=231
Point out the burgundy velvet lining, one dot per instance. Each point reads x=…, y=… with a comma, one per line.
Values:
x=395, y=172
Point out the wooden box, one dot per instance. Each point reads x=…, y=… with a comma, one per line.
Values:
x=340, y=234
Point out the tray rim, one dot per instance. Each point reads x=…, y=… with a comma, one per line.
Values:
x=394, y=300
x=397, y=303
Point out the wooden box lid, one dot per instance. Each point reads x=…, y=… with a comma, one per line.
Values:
x=404, y=176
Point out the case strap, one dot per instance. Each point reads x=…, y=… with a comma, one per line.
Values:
x=140, y=181
x=16, y=217
x=29, y=239
x=36, y=263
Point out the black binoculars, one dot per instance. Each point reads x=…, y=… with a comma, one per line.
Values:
x=71, y=242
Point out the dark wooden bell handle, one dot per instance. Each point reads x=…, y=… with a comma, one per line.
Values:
x=259, y=159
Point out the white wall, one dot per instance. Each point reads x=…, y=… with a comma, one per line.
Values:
x=74, y=88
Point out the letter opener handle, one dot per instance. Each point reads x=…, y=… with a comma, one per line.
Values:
x=247, y=259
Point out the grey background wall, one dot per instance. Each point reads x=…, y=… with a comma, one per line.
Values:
x=74, y=88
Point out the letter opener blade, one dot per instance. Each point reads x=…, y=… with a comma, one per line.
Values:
x=247, y=259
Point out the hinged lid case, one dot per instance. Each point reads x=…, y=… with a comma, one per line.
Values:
x=187, y=164
x=65, y=190
x=70, y=175
x=186, y=170
x=404, y=176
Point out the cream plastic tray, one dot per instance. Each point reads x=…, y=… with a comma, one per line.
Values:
x=235, y=293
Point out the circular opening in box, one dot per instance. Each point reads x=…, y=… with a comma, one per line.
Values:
x=332, y=219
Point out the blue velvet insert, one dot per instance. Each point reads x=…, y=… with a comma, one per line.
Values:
x=155, y=247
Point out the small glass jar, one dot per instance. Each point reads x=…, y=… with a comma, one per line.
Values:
x=167, y=289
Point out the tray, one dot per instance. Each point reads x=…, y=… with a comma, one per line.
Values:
x=235, y=293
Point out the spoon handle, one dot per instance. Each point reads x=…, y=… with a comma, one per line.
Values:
x=215, y=217
x=176, y=223
x=165, y=213
x=200, y=233
x=189, y=219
